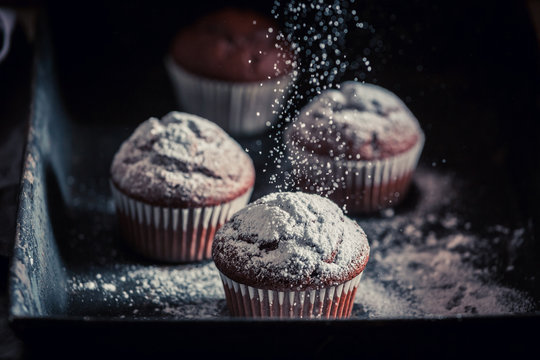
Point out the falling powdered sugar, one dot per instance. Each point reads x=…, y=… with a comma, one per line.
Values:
x=318, y=33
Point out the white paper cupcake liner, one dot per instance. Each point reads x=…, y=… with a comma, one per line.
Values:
x=241, y=109
x=172, y=234
x=334, y=302
x=363, y=186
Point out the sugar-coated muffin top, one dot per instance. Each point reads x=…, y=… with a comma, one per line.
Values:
x=182, y=160
x=290, y=240
x=355, y=122
x=233, y=45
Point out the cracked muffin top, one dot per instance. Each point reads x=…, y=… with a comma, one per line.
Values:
x=291, y=240
x=181, y=160
x=355, y=122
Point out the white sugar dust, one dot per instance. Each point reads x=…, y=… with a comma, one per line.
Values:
x=317, y=33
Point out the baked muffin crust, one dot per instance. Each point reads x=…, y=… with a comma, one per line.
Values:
x=182, y=160
x=357, y=122
x=290, y=240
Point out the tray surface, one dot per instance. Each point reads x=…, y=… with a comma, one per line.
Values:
x=461, y=245
x=429, y=258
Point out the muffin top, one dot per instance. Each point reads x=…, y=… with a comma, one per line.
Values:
x=182, y=160
x=290, y=240
x=357, y=122
x=232, y=45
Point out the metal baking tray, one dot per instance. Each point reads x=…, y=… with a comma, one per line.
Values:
x=455, y=265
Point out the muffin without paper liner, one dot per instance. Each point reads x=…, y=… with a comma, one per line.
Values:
x=290, y=255
x=175, y=181
x=358, y=145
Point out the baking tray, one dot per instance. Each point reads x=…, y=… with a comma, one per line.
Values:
x=453, y=266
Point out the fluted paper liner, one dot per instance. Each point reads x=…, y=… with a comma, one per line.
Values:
x=173, y=234
x=239, y=108
x=361, y=185
x=333, y=302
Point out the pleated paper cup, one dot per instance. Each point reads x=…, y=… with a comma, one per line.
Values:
x=333, y=302
x=172, y=234
x=241, y=109
x=360, y=186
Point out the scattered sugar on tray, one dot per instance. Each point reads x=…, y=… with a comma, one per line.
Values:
x=438, y=282
x=88, y=285
x=450, y=221
x=109, y=287
x=375, y=301
x=442, y=272
x=459, y=241
x=182, y=291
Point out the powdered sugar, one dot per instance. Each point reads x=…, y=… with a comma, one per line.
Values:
x=427, y=262
x=181, y=159
x=293, y=238
x=109, y=287
x=358, y=122
x=182, y=291
x=430, y=281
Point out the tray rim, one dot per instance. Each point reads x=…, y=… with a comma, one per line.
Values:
x=422, y=337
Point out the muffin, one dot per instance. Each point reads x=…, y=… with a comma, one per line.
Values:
x=290, y=255
x=359, y=145
x=175, y=181
x=232, y=67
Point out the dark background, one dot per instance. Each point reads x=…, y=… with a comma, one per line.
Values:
x=434, y=55
x=468, y=71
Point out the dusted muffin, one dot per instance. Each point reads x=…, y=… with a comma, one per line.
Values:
x=232, y=67
x=175, y=181
x=358, y=145
x=290, y=255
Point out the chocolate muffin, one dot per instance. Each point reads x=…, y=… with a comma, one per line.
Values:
x=359, y=145
x=233, y=67
x=290, y=254
x=175, y=181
